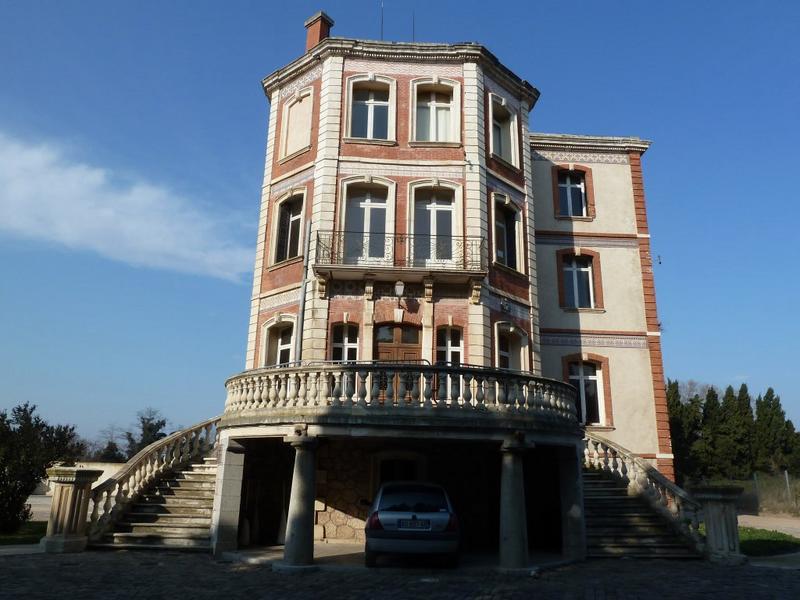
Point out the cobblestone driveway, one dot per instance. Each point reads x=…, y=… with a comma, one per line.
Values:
x=151, y=575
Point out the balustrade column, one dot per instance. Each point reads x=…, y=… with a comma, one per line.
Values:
x=722, y=528
x=299, y=547
x=513, y=521
x=66, y=527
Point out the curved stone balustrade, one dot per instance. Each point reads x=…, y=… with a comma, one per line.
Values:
x=643, y=479
x=375, y=390
x=108, y=499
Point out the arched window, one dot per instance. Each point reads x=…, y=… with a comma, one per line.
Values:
x=371, y=112
x=508, y=247
x=511, y=347
x=434, y=225
x=436, y=112
x=278, y=341
x=345, y=342
x=366, y=223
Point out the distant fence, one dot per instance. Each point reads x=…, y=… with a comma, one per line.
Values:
x=767, y=493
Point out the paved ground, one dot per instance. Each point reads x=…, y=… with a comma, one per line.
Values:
x=152, y=575
x=790, y=525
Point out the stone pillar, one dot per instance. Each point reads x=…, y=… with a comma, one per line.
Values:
x=227, y=498
x=573, y=524
x=722, y=526
x=513, y=522
x=66, y=527
x=299, y=548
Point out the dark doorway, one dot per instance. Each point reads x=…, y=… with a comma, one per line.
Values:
x=543, y=499
x=398, y=469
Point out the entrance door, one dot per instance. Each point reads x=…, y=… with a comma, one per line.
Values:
x=398, y=343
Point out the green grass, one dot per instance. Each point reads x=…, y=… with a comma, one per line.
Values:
x=762, y=542
x=30, y=533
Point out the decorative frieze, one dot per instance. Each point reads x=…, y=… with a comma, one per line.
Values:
x=403, y=68
x=507, y=306
x=281, y=299
x=280, y=188
x=301, y=82
x=594, y=340
x=564, y=156
x=420, y=170
x=570, y=239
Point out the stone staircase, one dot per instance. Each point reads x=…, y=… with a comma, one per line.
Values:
x=620, y=525
x=173, y=513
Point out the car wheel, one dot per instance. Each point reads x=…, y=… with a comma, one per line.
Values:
x=369, y=558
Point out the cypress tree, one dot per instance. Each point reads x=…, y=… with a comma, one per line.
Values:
x=706, y=447
x=770, y=433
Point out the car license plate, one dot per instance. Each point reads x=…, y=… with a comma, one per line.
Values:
x=414, y=524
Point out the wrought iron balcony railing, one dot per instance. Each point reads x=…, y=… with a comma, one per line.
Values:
x=416, y=251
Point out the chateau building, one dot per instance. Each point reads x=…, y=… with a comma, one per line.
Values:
x=427, y=272
x=439, y=294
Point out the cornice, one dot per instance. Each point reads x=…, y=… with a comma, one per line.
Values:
x=402, y=52
x=593, y=143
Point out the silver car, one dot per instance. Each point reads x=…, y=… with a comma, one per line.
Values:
x=409, y=517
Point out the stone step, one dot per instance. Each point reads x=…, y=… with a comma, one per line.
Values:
x=159, y=529
x=183, y=492
x=204, y=501
x=189, y=484
x=168, y=519
x=123, y=540
x=197, y=475
x=632, y=531
x=172, y=508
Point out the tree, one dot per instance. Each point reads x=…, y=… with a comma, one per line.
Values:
x=705, y=449
x=28, y=446
x=151, y=429
x=772, y=437
x=734, y=446
x=111, y=453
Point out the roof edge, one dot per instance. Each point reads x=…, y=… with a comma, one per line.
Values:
x=605, y=143
x=402, y=51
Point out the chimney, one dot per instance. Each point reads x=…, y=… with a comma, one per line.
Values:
x=318, y=27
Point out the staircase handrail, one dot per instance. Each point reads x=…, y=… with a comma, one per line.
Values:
x=643, y=479
x=108, y=499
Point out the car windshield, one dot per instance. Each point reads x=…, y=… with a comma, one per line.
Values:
x=413, y=498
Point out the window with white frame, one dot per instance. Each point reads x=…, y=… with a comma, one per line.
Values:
x=365, y=222
x=345, y=342
x=572, y=194
x=578, y=282
x=507, y=232
x=504, y=131
x=434, y=221
x=370, y=110
x=296, y=123
x=434, y=122
x=587, y=378
x=279, y=344
x=511, y=345
x=449, y=345
x=288, y=235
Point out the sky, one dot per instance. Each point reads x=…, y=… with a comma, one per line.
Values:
x=132, y=138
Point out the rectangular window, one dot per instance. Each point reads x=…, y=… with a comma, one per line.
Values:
x=505, y=234
x=296, y=125
x=572, y=194
x=585, y=377
x=433, y=114
x=288, y=239
x=503, y=132
x=433, y=225
x=578, y=288
x=345, y=343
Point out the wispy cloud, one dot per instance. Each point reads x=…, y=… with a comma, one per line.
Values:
x=44, y=195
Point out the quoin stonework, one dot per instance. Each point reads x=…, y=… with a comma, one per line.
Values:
x=439, y=294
